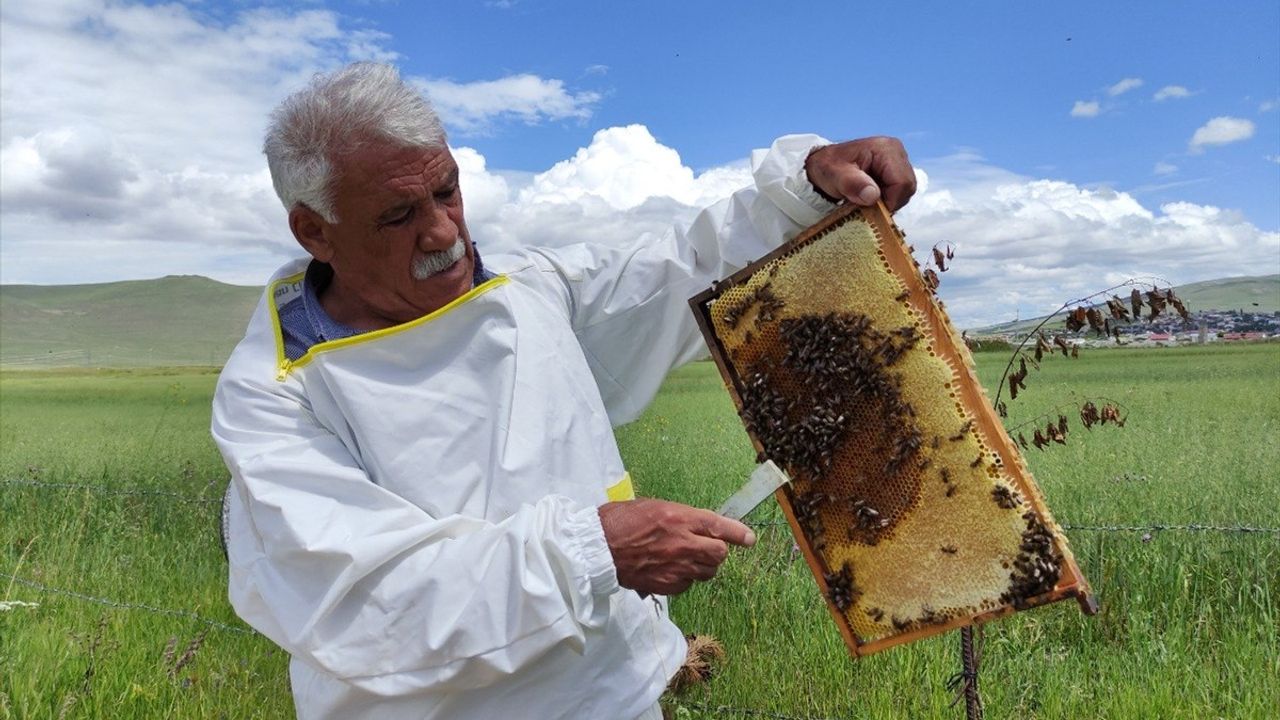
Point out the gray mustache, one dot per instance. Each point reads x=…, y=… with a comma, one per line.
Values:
x=432, y=263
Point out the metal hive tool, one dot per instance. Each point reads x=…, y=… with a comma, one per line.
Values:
x=911, y=504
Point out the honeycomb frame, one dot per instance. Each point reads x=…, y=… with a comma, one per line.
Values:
x=821, y=341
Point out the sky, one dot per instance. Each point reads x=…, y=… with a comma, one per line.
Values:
x=1060, y=147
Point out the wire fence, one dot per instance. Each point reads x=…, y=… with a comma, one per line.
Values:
x=134, y=491
x=1154, y=527
x=713, y=709
x=115, y=490
x=108, y=602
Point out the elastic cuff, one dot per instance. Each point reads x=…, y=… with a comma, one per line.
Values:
x=806, y=190
x=593, y=550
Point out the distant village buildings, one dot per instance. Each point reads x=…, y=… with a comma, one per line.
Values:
x=1209, y=326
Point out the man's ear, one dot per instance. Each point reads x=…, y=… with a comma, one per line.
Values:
x=308, y=228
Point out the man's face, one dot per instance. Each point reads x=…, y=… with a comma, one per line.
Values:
x=399, y=218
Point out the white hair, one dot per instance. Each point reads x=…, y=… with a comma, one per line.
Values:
x=334, y=115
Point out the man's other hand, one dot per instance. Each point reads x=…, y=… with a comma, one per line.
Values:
x=663, y=547
x=863, y=171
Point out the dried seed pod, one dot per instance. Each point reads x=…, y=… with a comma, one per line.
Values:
x=1177, y=305
x=1111, y=413
x=1117, y=309
x=1089, y=414
x=1062, y=344
x=1095, y=320
x=1076, y=319
x=1042, y=347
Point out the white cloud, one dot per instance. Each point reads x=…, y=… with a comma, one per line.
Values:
x=1221, y=131
x=1085, y=109
x=1269, y=105
x=1164, y=168
x=1027, y=245
x=1124, y=86
x=472, y=107
x=131, y=134
x=626, y=166
x=1171, y=91
x=129, y=147
x=623, y=185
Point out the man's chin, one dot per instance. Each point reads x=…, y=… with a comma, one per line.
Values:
x=452, y=281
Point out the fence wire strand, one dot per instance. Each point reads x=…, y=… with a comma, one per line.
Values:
x=1156, y=527
x=107, y=602
x=747, y=712
x=184, y=498
x=112, y=490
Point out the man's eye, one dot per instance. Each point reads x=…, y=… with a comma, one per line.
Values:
x=447, y=194
x=399, y=219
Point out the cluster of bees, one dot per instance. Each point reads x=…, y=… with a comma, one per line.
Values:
x=807, y=508
x=1006, y=497
x=840, y=588
x=763, y=297
x=834, y=368
x=837, y=361
x=1037, y=566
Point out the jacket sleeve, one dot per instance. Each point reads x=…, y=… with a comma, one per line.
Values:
x=629, y=306
x=356, y=581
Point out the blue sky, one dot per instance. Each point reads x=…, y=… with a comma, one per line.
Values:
x=1059, y=145
x=713, y=79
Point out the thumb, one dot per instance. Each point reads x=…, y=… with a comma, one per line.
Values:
x=726, y=529
x=856, y=186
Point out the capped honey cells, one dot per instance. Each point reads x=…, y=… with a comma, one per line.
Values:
x=910, y=502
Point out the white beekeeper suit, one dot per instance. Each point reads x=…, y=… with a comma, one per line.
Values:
x=413, y=510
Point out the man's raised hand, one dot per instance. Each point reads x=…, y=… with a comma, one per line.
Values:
x=863, y=171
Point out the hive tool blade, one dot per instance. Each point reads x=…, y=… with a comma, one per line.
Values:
x=764, y=481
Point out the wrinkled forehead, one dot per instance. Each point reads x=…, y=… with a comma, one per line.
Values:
x=382, y=169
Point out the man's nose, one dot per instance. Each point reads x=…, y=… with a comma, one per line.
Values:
x=439, y=231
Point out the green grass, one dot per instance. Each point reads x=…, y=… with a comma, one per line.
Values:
x=1187, y=628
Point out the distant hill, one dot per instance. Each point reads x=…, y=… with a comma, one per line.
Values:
x=1255, y=294
x=175, y=320
x=192, y=320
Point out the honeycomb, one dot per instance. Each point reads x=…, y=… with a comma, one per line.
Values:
x=912, y=506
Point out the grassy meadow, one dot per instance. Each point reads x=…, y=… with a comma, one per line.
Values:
x=1188, y=626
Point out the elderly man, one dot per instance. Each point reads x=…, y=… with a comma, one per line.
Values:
x=428, y=509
